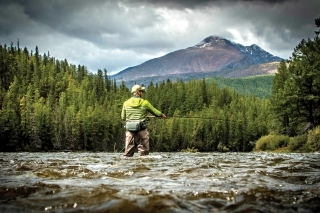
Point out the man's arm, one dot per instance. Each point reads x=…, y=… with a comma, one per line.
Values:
x=153, y=110
x=123, y=113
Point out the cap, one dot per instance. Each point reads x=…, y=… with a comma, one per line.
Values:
x=137, y=88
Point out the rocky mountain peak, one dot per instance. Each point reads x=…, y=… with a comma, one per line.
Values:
x=211, y=40
x=213, y=56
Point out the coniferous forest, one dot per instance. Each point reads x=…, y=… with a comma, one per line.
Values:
x=47, y=104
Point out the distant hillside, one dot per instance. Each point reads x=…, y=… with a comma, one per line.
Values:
x=214, y=56
x=259, y=86
x=255, y=70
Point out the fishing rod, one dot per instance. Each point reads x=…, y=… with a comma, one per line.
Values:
x=198, y=117
x=186, y=117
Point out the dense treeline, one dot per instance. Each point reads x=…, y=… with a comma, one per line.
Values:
x=49, y=104
x=296, y=89
x=206, y=117
x=259, y=85
x=295, y=100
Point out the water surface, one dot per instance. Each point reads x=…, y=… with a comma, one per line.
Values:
x=160, y=182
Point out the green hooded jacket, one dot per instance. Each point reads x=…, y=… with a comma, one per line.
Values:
x=136, y=108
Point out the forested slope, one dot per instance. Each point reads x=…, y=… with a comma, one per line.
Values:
x=49, y=104
x=259, y=86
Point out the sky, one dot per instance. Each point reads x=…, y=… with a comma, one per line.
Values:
x=117, y=34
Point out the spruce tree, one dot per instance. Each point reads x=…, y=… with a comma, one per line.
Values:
x=296, y=90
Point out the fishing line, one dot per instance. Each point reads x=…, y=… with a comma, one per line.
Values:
x=197, y=117
x=189, y=117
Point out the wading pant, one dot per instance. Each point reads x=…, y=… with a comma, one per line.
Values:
x=138, y=140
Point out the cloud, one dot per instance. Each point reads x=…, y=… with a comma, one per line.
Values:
x=118, y=34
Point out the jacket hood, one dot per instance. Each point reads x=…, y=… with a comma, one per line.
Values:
x=135, y=101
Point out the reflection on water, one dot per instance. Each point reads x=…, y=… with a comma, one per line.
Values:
x=160, y=182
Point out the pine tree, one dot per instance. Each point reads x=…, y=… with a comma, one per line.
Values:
x=296, y=90
x=10, y=119
x=278, y=102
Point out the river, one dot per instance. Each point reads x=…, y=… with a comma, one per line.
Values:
x=160, y=182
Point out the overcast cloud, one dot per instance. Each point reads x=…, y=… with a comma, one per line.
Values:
x=115, y=34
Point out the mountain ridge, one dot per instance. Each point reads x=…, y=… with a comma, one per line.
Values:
x=213, y=56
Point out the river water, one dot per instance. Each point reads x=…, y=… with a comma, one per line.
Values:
x=160, y=182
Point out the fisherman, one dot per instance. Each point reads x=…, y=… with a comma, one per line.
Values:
x=134, y=112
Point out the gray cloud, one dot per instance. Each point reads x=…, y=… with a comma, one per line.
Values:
x=118, y=34
x=179, y=4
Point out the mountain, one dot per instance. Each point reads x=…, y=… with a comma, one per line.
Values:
x=214, y=56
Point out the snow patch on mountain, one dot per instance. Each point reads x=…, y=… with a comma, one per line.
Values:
x=210, y=41
x=254, y=52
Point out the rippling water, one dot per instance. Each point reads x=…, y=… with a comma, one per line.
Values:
x=160, y=182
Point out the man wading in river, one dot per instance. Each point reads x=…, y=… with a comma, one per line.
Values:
x=134, y=112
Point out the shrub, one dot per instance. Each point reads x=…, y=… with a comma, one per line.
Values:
x=261, y=144
x=189, y=150
x=272, y=142
x=313, y=141
x=222, y=148
x=279, y=141
x=298, y=143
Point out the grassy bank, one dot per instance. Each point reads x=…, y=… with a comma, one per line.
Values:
x=308, y=142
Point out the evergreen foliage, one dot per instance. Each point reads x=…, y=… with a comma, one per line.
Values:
x=296, y=90
x=259, y=86
x=48, y=104
x=295, y=101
